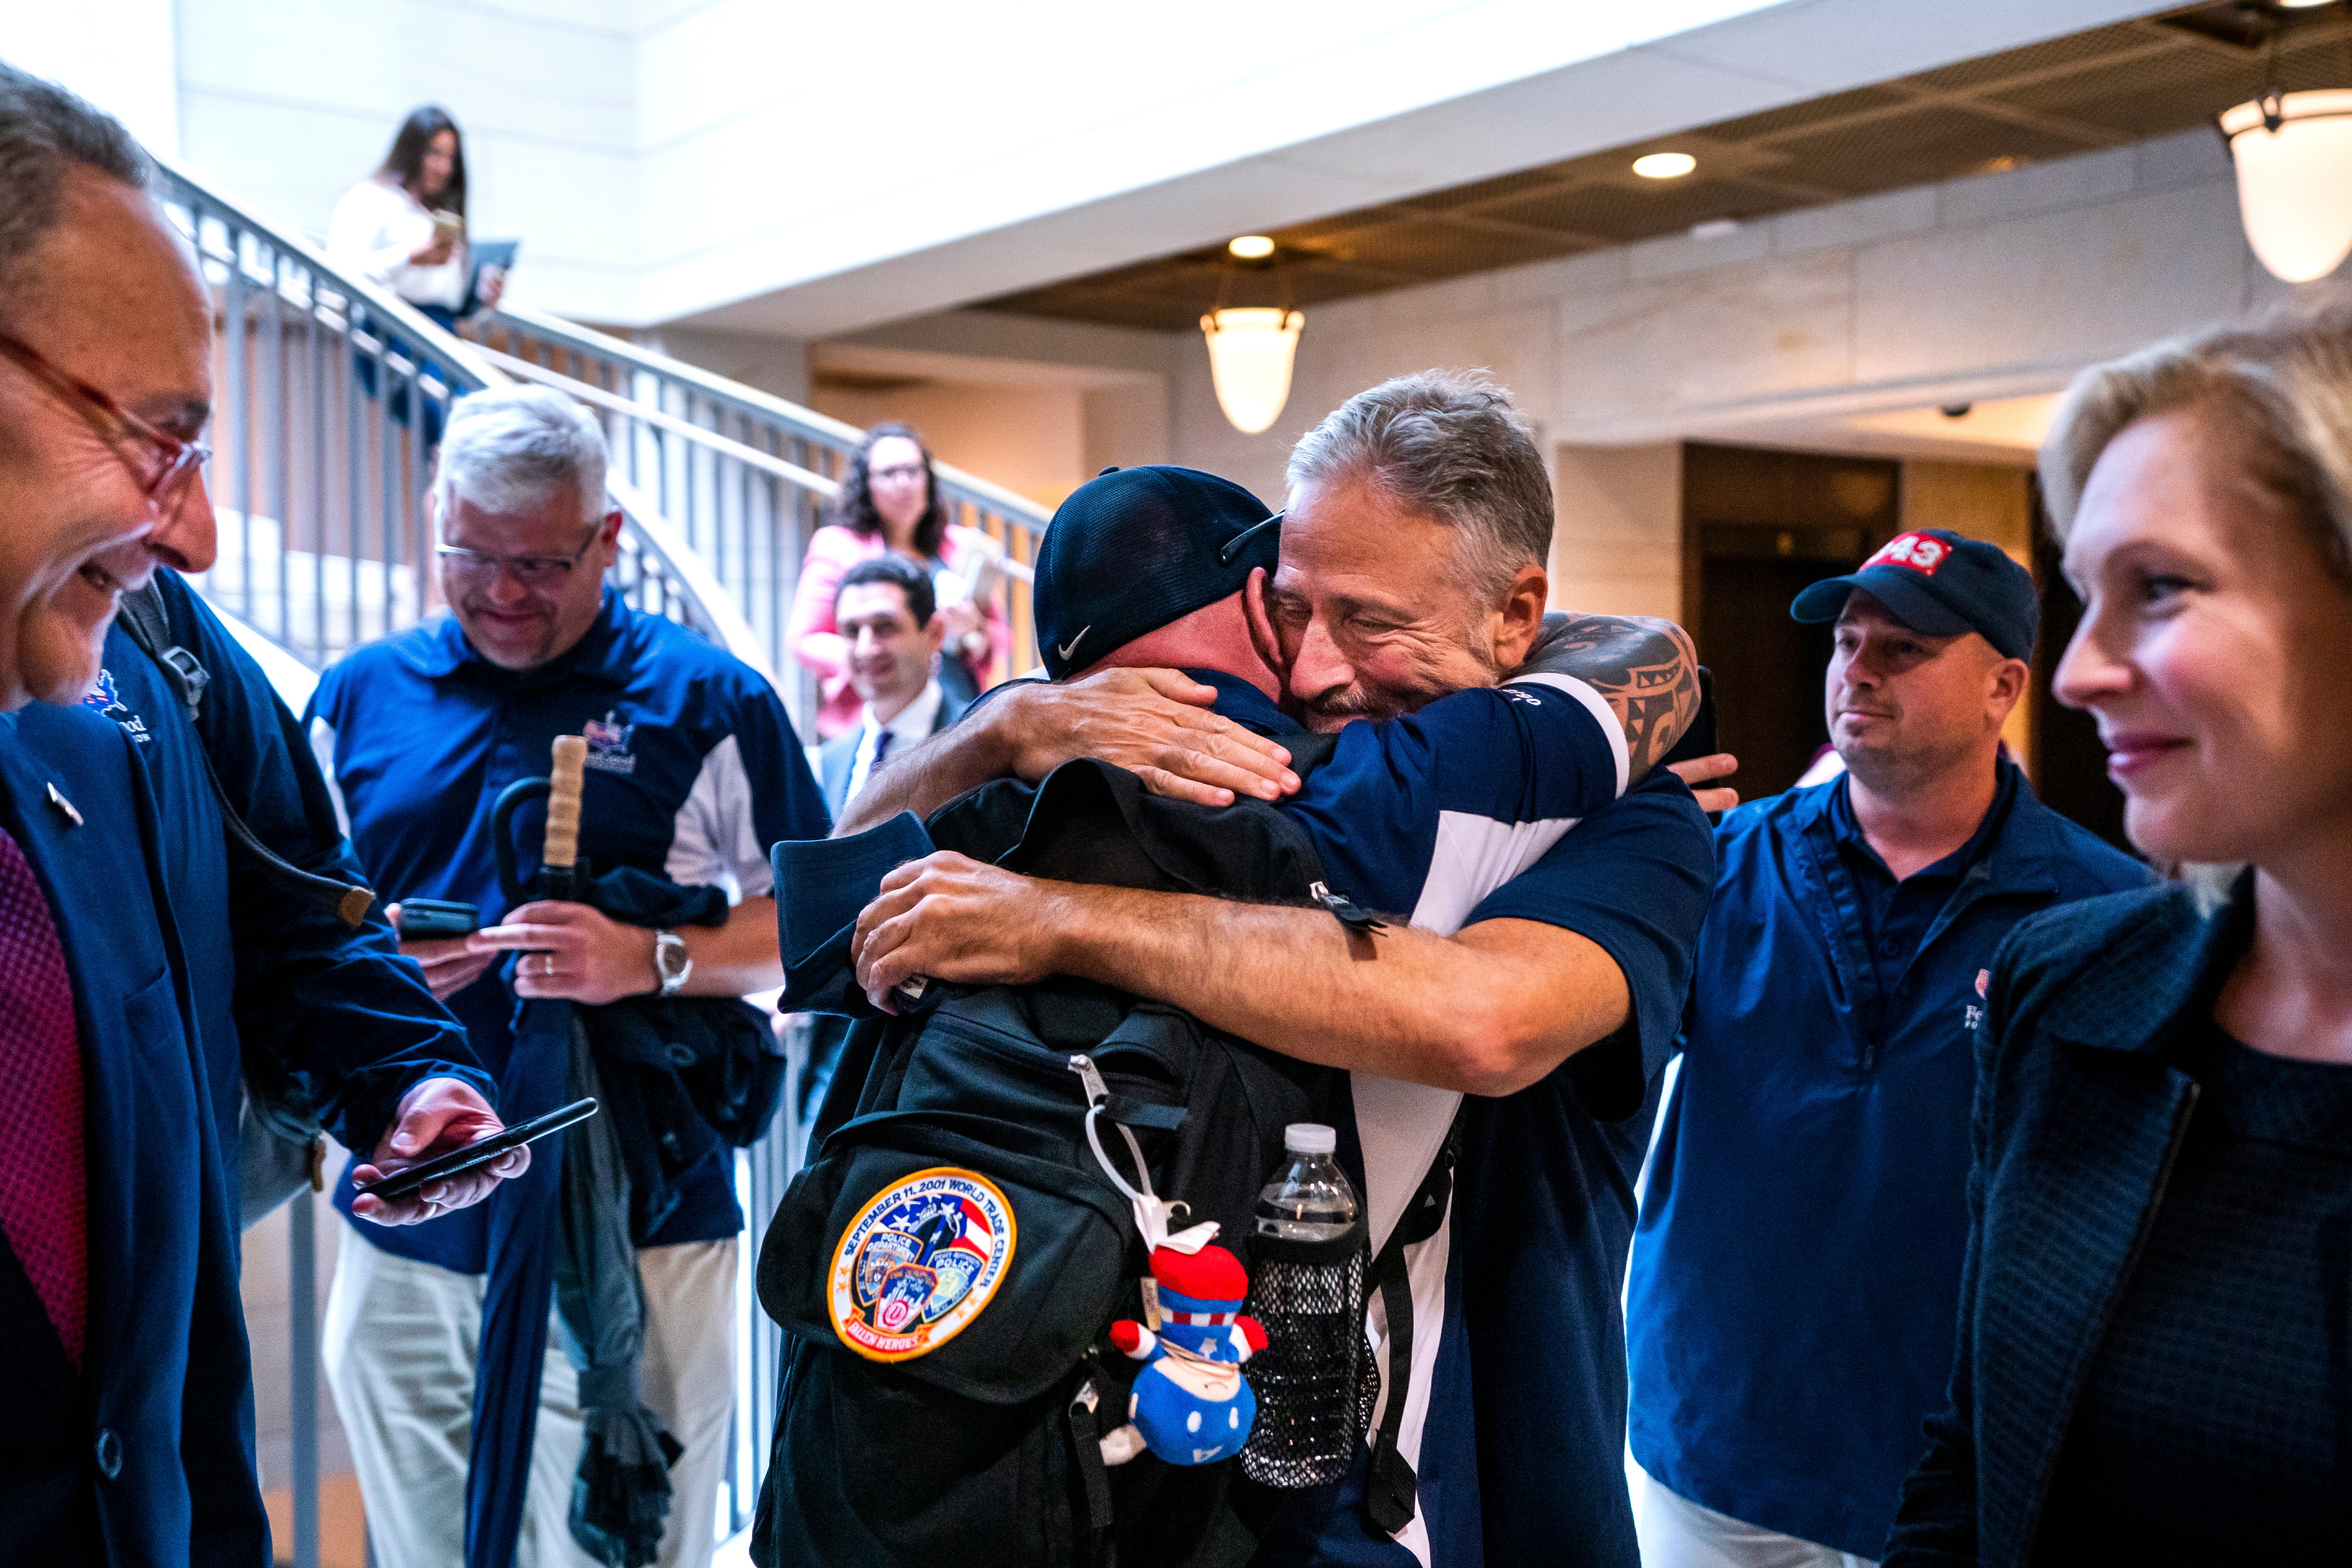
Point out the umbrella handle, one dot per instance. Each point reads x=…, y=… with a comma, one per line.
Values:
x=502, y=836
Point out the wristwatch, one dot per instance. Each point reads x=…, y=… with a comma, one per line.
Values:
x=670, y=961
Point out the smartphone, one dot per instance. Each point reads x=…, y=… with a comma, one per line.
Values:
x=437, y=918
x=1698, y=741
x=481, y=1152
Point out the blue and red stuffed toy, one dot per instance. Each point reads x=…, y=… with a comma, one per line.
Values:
x=1191, y=1405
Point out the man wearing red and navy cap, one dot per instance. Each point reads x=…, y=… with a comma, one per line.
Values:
x=1796, y=1270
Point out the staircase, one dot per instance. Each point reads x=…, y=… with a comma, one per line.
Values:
x=325, y=389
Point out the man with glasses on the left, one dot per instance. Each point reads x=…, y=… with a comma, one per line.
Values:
x=126, y=1430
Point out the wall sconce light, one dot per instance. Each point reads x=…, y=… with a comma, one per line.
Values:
x=1251, y=350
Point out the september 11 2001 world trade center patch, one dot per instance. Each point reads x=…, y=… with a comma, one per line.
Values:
x=918, y=1262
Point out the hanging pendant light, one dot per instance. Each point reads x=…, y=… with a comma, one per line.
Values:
x=1251, y=348
x=1250, y=355
x=2294, y=157
x=2293, y=153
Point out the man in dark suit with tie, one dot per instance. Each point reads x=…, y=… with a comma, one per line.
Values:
x=126, y=1409
x=884, y=609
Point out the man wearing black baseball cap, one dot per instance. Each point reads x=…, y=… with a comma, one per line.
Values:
x=1539, y=971
x=1789, y=1310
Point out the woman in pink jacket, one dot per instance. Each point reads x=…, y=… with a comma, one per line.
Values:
x=889, y=501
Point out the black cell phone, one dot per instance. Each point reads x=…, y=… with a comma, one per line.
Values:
x=457, y=1162
x=1698, y=741
x=437, y=918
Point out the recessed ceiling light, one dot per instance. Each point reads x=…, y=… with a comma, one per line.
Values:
x=1252, y=248
x=1664, y=165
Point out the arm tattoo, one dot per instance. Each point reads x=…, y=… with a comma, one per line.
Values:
x=1645, y=667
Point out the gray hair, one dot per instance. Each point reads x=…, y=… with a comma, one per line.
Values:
x=1449, y=444
x=509, y=449
x=43, y=128
x=2284, y=383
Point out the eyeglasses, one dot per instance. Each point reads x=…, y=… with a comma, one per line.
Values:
x=159, y=461
x=899, y=472
x=531, y=571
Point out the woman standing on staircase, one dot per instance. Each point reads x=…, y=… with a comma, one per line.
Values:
x=890, y=502
x=404, y=226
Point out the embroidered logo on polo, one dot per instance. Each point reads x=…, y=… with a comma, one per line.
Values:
x=608, y=743
x=918, y=1262
x=1923, y=553
x=107, y=698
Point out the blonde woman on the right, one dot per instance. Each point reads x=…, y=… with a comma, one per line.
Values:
x=2155, y=1353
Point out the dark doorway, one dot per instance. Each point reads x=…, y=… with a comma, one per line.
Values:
x=1759, y=526
x=2070, y=765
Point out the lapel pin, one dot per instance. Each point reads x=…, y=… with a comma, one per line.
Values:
x=64, y=806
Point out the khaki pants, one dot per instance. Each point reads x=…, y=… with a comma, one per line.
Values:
x=399, y=1347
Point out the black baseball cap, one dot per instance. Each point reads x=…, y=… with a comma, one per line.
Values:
x=1941, y=583
x=1133, y=548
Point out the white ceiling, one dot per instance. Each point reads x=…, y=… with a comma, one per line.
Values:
x=1481, y=90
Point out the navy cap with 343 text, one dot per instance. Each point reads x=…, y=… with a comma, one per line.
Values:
x=1940, y=583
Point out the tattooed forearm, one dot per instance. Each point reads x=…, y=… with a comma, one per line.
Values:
x=1645, y=667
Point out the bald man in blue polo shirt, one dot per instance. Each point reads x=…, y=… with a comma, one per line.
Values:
x=1796, y=1270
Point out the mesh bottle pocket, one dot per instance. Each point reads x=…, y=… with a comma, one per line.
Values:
x=1310, y=1379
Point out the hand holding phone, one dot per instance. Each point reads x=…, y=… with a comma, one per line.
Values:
x=438, y=1116
x=479, y=1152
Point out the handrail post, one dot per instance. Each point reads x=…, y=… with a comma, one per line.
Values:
x=302, y=1382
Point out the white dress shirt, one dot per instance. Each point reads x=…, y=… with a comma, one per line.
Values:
x=909, y=724
x=377, y=227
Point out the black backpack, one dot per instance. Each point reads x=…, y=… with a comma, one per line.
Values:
x=979, y=1446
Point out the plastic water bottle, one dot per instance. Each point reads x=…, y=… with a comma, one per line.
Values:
x=1307, y=1290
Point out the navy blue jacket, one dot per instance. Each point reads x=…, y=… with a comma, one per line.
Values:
x=1794, y=1277
x=146, y=1456
x=273, y=976
x=2080, y=1108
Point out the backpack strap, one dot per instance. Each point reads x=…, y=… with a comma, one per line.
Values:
x=146, y=622
x=1391, y=1486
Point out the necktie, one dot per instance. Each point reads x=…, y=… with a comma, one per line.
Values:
x=43, y=1184
x=881, y=750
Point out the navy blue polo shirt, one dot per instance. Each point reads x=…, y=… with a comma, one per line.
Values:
x=1796, y=1277
x=693, y=771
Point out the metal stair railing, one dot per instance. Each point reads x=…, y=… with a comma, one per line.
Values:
x=746, y=474
x=330, y=394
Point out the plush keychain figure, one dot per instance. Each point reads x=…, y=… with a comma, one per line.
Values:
x=1191, y=1405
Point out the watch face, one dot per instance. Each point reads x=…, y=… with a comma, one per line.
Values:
x=669, y=955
